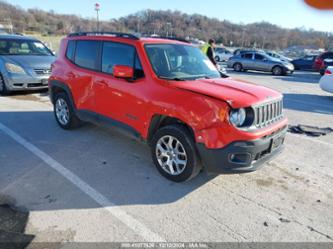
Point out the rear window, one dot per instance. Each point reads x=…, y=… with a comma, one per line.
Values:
x=86, y=54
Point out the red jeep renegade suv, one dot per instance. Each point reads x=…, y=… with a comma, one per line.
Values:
x=168, y=94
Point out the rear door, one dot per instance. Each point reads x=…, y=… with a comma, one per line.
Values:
x=83, y=54
x=307, y=62
x=247, y=61
x=261, y=62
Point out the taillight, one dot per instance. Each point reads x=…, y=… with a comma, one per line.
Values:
x=319, y=61
x=328, y=72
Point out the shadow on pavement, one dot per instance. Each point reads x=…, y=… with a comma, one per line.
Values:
x=309, y=103
x=116, y=166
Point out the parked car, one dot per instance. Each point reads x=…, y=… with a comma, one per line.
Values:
x=222, y=54
x=323, y=61
x=326, y=82
x=168, y=94
x=304, y=63
x=242, y=51
x=25, y=64
x=259, y=61
x=278, y=56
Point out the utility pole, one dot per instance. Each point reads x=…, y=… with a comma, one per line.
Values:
x=243, y=33
x=97, y=9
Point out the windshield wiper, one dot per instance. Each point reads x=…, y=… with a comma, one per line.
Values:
x=169, y=78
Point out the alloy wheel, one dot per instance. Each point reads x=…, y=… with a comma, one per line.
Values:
x=171, y=155
x=62, y=111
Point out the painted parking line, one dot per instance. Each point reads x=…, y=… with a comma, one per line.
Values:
x=116, y=211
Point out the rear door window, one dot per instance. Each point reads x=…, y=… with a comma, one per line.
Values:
x=247, y=56
x=259, y=57
x=86, y=54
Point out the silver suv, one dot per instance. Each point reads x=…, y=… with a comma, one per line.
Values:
x=25, y=64
x=259, y=61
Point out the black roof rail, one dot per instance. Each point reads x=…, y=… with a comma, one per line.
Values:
x=97, y=33
x=171, y=38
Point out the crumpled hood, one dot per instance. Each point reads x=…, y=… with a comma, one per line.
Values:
x=30, y=61
x=237, y=93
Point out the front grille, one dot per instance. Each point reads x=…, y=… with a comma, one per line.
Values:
x=42, y=71
x=268, y=113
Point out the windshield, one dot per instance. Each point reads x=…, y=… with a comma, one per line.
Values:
x=23, y=47
x=180, y=62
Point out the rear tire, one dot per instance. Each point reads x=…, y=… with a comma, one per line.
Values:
x=64, y=112
x=238, y=67
x=277, y=70
x=3, y=89
x=170, y=145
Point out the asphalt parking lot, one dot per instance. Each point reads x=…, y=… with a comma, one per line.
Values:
x=95, y=185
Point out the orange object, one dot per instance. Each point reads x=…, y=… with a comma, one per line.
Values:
x=320, y=4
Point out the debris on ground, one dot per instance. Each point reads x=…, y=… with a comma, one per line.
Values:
x=312, y=131
x=12, y=226
x=283, y=220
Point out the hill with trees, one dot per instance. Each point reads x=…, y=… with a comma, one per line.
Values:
x=168, y=23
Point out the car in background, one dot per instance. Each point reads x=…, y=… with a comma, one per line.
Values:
x=259, y=61
x=326, y=82
x=322, y=62
x=278, y=56
x=25, y=64
x=304, y=63
x=242, y=51
x=222, y=54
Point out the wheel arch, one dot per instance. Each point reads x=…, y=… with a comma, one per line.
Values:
x=56, y=87
x=158, y=121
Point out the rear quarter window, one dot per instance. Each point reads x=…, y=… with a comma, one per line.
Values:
x=70, y=52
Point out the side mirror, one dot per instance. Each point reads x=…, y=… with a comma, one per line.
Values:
x=123, y=72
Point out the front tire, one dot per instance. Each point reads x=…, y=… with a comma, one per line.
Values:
x=174, y=153
x=64, y=112
x=277, y=70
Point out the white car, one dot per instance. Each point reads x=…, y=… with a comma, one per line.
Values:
x=326, y=82
x=222, y=54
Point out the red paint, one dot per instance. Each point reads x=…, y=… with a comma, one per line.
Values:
x=199, y=103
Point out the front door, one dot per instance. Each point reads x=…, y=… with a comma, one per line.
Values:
x=119, y=100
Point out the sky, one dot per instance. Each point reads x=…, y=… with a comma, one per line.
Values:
x=285, y=13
